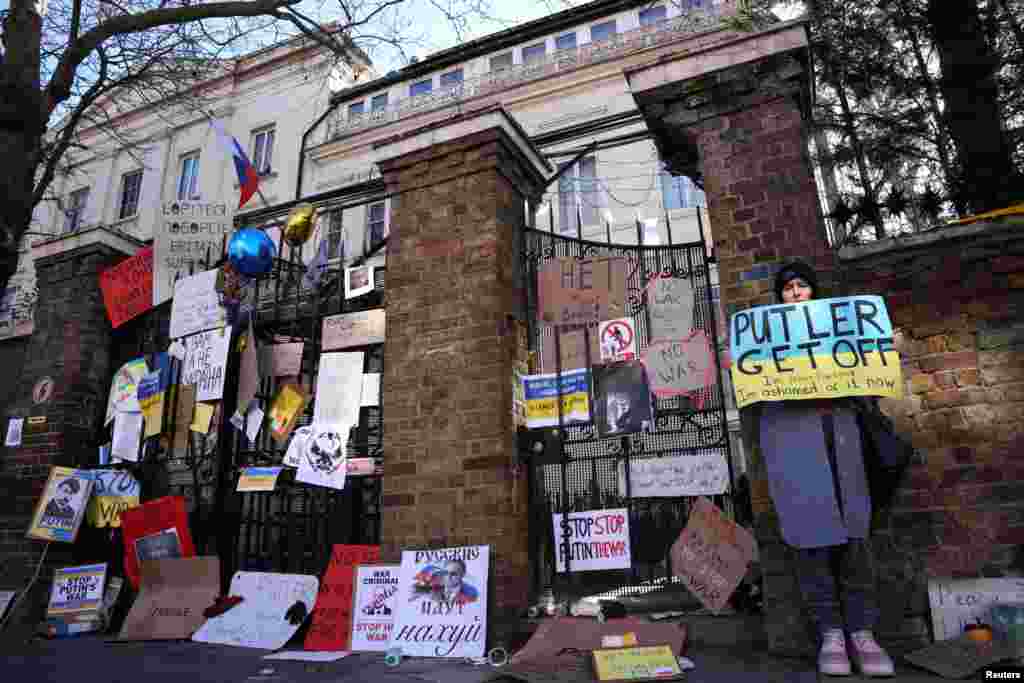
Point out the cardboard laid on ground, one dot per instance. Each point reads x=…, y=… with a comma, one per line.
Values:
x=260, y=620
x=346, y=330
x=185, y=236
x=339, y=389
x=124, y=388
x=680, y=366
x=569, y=667
x=575, y=291
x=960, y=657
x=196, y=306
x=640, y=663
x=206, y=357
x=77, y=590
x=61, y=507
x=825, y=348
x=332, y=615
x=128, y=287
x=113, y=492
x=584, y=633
x=670, y=307
x=172, y=595
x=711, y=554
x=306, y=656
x=442, y=611
x=958, y=602
x=541, y=397
x=373, y=606
x=598, y=539
x=683, y=474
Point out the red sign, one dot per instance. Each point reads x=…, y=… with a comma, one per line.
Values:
x=331, y=628
x=128, y=287
x=153, y=531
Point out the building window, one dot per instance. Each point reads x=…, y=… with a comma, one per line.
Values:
x=599, y=32
x=131, y=183
x=566, y=41
x=188, y=180
x=376, y=223
x=355, y=109
x=421, y=88
x=451, y=79
x=75, y=210
x=652, y=15
x=534, y=53
x=262, y=150
x=502, y=61
x=579, y=196
x=679, y=192
x=379, y=102
x=335, y=235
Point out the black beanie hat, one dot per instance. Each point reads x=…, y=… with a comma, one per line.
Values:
x=793, y=270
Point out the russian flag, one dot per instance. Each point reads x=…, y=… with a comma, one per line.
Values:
x=248, y=180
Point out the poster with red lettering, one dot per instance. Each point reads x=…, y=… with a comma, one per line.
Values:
x=332, y=616
x=128, y=287
x=592, y=540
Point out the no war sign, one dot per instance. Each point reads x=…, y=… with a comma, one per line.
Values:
x=827, y=348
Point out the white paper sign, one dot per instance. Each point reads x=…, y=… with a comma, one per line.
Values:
x=251, y=422
x=442, y=602
x=297, y=446
x=259, y=620
x=598, y=539
x=358, y=281
x=339, y=389
x=353, y=329
x=196, y=306
x=186, y=235
x=373, y=609
x=14, y=429
x=670, y=306
x=324, y=461
x=958, y=602
x=699, y=474
x=618, y=339
x=5, y=600
x=206, y=357
x=371, y=389
x=127, y=429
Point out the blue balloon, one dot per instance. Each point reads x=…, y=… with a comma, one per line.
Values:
x=251, y=252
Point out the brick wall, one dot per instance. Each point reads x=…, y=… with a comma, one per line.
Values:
x=449, y=475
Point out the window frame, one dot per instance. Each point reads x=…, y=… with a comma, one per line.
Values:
x=559, y=40
x=452, y=81
x=543, y=45
x=375, y=99
x=428, y=81
x=370, y=222
x=263, y=161
x=571, y=192
x=123, y=203
x=648, y=10
x=508, y=54
x=335, y=227
x=73, y=214
x=191, y=190
x=356, y=108
x=611, y=22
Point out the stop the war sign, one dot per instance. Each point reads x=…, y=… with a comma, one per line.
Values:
x=597, y=539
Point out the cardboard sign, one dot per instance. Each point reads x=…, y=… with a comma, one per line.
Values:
x=542, y=393
x=958, y=602
x=586, y=633
x=961, y=657
x=690, y=474
x=622, y=399
x=77, y=589
x=575, y=291
x=358, y=281
x=618, y=339
x=124, y=388
x=445, y=613
x=61, y=507
x=185, y=236
x=374, y=605
x=711, y=554
x=252, y=479
x=184, y=410
x=598, y=539
x=261, y=619
x=825, y=348
x=572, y=347
x=248, y=371
x=154, y=523
x=339, y=389
x=353, y=329
x=128, y=287
x=680, y=366
x=113, y=492
x=285, y=410
x=286, y=359
x=14, y=429
x=196, y=306
x=670, y=307
x=172, y=596
x=332, y=616
x=642, y=663
x=206, y=357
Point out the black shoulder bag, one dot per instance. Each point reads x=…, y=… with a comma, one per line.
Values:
x=886, y=455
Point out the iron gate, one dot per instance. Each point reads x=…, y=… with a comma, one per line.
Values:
x=582, y=471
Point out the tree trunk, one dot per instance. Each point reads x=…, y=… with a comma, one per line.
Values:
x=987, y=176
x=850, y=128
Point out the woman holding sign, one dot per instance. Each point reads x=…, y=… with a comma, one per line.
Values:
x=813, y=455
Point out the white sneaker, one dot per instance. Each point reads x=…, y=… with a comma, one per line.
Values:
x=832, y=659
x=869, y=656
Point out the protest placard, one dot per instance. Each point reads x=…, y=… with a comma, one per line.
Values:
x=128, y=287
x=77, y=590
x=711, y=554
x=156, y=529
x=339, y=389
x=618, y=339
x=641, y=663
x=541, y=397
x=124, y=388
x=127, y=430
x=285, y=410
x=598, y=539
x=957, y=602
x=622, y=399
x=332, y=615
x=196, y=306
x=680, y=366
x=14, y=430
x=690, y=474
x=151, y=400
x=173, y=593
x=670, y=307
x=113, y=492
x=324, y=461
x=824, y=348
x=61, y=506
x=206, y=356
x=572, y=347
x=186, y=236
x=373, y=606
x=575, y=291
x=346, y=330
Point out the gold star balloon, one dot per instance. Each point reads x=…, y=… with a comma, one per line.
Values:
x=299, y=226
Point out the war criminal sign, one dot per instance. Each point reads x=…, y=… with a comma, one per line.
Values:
x=826, y=348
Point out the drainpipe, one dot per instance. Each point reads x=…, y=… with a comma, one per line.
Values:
x=302, y=146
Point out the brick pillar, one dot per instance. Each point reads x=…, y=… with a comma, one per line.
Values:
x=70, y=347
x=735, y=116
x=449, y=450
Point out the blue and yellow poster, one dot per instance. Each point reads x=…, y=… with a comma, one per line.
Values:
x=540, y=393
x=826, y=348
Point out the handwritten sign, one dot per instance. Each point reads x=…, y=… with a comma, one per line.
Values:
x=261, y=619
x=339, y=389
x=696, y=474
x=332, y=616
x=61, y=507
x=572, y=347
x=77, y=589
x=598, y=539
x=825, y=348
x=173, y=593
x=128, y=287
x=196, y=306
x=618, y=339
x=286, y=359
x=680, y=366
x=252, y=479
x=542, y=392
x=114, y=491
x=670, y=307
x=642, y=663
x=353, y=329
x=442, y=602
x=711, y=554
x=186, y=236
x=124, y=388
x=373, y=606
x=575, y=291
x=206, y=356
x=958, y=602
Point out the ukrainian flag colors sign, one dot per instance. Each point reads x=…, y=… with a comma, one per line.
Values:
x=826, y=348
x=540, y=394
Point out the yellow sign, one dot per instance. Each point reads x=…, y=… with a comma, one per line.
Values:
x=201, y=418
x=648, y=663
x=542, y=400
x=106, y=510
